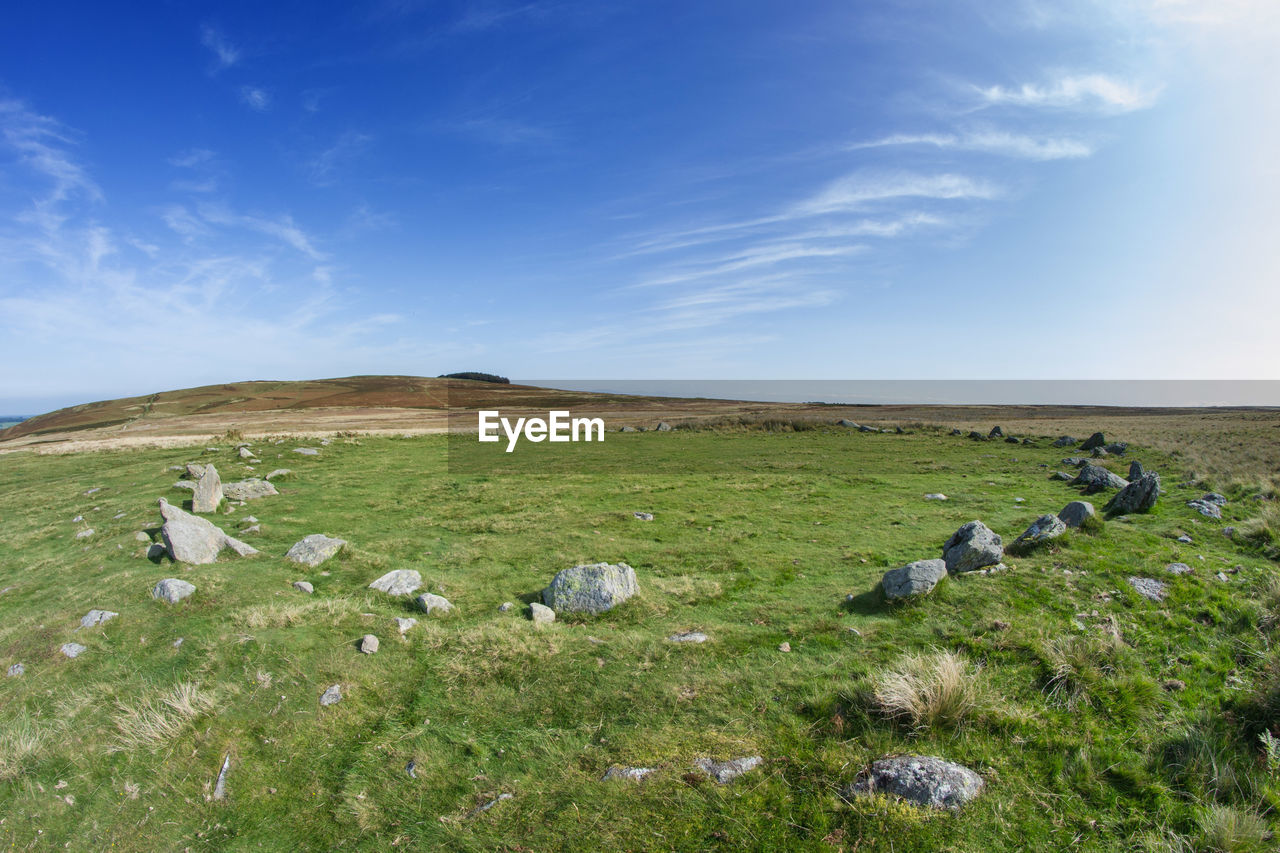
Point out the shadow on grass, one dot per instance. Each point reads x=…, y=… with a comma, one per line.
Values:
x=868, y=603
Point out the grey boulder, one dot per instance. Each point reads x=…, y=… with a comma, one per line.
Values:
x=172, y=590
x=72, y=650
x=190, y=539
x=1138, y=496
x=208, y=491
x=1043, y=529
x=541, y=614
x=1095, y=478
x=314, y=549
x=331, y=696
x=1076, y=513
x=724, y=772
x=248, y=490
x=96, y=617
x=304, y=586
x=921, y=780
x=368, y=644
x=398, y=582
x=918, y=578
x=973, y=546
x=431, y=603
x=1149, y=588
x=591, y=588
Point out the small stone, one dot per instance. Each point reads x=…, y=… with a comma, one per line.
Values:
x=688, y=637
x=85, y=534
x=368, y=644
x=784, y=646
x=1043, y=529
x=304, y=586
x=141, y=537
x=404, y=623
x=96, y=617
x=16, y=670
x=541, y=614
x=172, y=590
x=398, y=582
x=724, y=772
x=630, y=774
x=314, y=549
x=643, y=516
x=1186, y=540
x=918, y=578
x=306, y=451
x=429, y=602
x=1149, y=588
x=332, y=696
x=279, y=472
x=935, y=496
x=505, y=606
x=1178, y=569
x=73, y=650
x=1174, y=685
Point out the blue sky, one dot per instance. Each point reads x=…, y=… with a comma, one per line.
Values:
x=197, y=192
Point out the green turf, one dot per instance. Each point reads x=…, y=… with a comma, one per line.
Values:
x=759, y=537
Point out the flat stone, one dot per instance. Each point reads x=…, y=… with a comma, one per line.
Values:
x=304, y=586
x=921, y=780
x=404, y=623
x=541, y=614
x=1178, y=569
x=307, y=451
x=96, y=617
x=935, y=496
x=1149, y=588
x=279, y=472
x=505, y=606
x=429, y=602
x=643, y=516
x=73, y=650
x=724, y=772
x=172, y=590
x=331, y=696
x=85, y=534
x=314, y=549
x=630, y=774
x=688, y=637
x=398, y=582
x=249, y=490
x=1205, y=508
x=918, y=578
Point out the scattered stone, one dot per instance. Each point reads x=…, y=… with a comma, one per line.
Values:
x=1222, y=577
x=1214, y=498
x=249, y=490
x=1075, y=462
x=955, y=431
x=253, y=528
x=484, y=808
x=1019, y=500
x=935, y=496
x=724, y=772
x=398, y=582
x=190, y=539
x=85, y=534
x=976, y=436
x=846, y=423
x=94, y=490
x=1076, y=513
x=314, y=549
x=505, y=606
x=1095, y=440
x=591, y=588
x=16, y=670
x=1138, y=496
x=73, y=650
x=1208, y=510
x=96, y=617
x=627, y=429
x=1095, y=478
x=922, y=780
x=332, y=696
x=784, y=646
x=77, y=519
x=307, y=451
x=304, y=586
x=1065, y=441
x=972, y=547
x=279, y=472
x=428, y=602
x=1000, y=625
x=1011, y=440
x=688, y=637
x=404, y=623
x=643, y=516
x=541, y=614
x=141, y=537
x=663, y=426
x=630, y=774
x=1043, y=529
x=195, y=470
x=410, y=768
x=1178, y=569
x=172, y=590
x=1099, y=452
x=156, y=551
x=1149, y=588
x=368, y=644
x=1186, y=540
x=918, y=578
x=208, y=491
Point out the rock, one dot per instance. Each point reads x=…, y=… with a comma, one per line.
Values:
x=190, y=539
x=919, y=779
x=1075, y=462
x=245, y=453
x=185, y=484
x=630, y=774
x=398, y=582
x=663, y=426
x=972, y=547
x=252, y=528
x=627, y=429
x=85, y=534
x=1178, y=569
x=505, y=607
x=1149, y=588
x=591, y=588
x=1027, y=441
x=208, y=491
x=314, y=549
x=976, y=436
x=918, y=578
x=935, y=496
x=643, y=516
x=77, y=519
x=1214, y=498
x=724, y=772
x=1138, y=496
x=1065, y=441
x=1208, y=510
x=1043, y=529
x=368, y=644
x=1135, y=470
x=304, y=586
x=172, y=590
x=195, y=470
x=249, y=490
x=1061, y=475
x=16, y=670
x=1099, y=452
x=784, y=646
x=96, y=617
x=865, y=428
x=332, y=696
x=141, y=537
x=996, y=432
x=1095, y=478
x=73, y=650
x=1076, y=513
x=1119, y=448
x=307, y=451
x=220, y=786
x=955, y=431
x=688, y=637
x=846, y=423
x=404, y=623
x=1019, y=500
x=541, y=614
x=1095, y=440
x=279, y=472
x=429, y=602
x=1222, y=577
x=156, y=551
x=1185, y=539
x=1011, y=440
x=1174, y=685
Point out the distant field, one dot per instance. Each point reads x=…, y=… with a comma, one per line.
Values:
x=762, y=535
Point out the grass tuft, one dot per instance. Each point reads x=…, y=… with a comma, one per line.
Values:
x=152, y=721
x=933, y=690
x=1226, y=829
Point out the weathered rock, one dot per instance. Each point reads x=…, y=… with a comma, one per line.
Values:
x=1075, y=462
x=1099, y=452
x=918, y=578
x=279, y=472
x=85, y=534
x=304, y=586
x=996, y=432
x=976, y=436
x=172, y=590
x=1178, y=569
x=919, y=779
x=1185, y=539
x=1095, y=478
x=141, y=537
x=1208, y=510
x=16, y=670
x=73, y=650
x=189, y=485
x=630, y=774
x=190, y=539
x=1149, y=588
x=505, y=607
x=157, y=551
x=1043, y=529
x=784, y=646
x=1119, y=448
x=404, y=623
x=252, y=528
x=846, y=423
x=249, y=490
x=306, y=451
x=208, y=491
x=972, y=547
x=688, y=637
x=1135, y=470
x=591, y=588
x=96, y=617
x=429, y=602
x=1065, y=441
x=1214, y=498
x=627, y=429
x=331, y=696
x=643, y=516
x=955, y=431
x=541, y=614
x=314, y=549
x=865, y=428
x=1138, y=496
x=1076, y=513
x=368, y=644
x=398, y=582
x=195, y=470
x=1095, y=440
x=663, y=426
x=724, y=772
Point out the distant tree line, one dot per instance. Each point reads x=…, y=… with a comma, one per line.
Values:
x=478, y=377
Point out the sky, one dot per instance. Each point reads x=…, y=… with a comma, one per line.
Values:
x=198, y=192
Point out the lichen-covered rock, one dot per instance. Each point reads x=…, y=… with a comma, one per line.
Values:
x=630, y=774
x=431, y=603
x=331, y=696
x=208, y=491
x=1138, y=496
x=190, y=539
x=918, y=578
x=1149, y=588
x=96, y=617
x=1043, y=529
x=1095, y=440
x=592, y=588
x=1077, y=513
x=921, y=780
x=1135, y=470
x=314, y=549
x=724, y=772
x=1208, y=510
x=973, y=546
x=1095, y=478
x=398, y=582
x=248, y=490
x=1065, y=441
x=172, y=590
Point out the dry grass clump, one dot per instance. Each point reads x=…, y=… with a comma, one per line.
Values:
x=20, y=739
x=287, y=614
x=153, y=720
x=927, y=691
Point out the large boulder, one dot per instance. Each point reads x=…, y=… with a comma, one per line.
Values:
x=1095, y=440
x=973, y=546
x=248, y=490
x=314, y=549
x=208, y=491
x=919, y=779
x=1095, y=478
x=918, y=578
x=1138, y=496
x=1043, y=529
x=190, y=539
x=590, y=589
x=1077, y=513
x=398, y=582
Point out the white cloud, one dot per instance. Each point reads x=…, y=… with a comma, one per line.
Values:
x=256, y=98
x=1097, y=91
x=990, y=142
x=42, y=146
x=225, y=53
x=855, y=191
x=282, y=228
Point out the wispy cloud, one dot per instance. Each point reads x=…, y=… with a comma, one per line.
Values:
x=192, y=158
x=282, y=227
x=322, y=169
x=42, y=146
x=1092, y=91
x=502, y=130
x=255, y=98
x=990, y=142
x=855, y=191
x=225, y=53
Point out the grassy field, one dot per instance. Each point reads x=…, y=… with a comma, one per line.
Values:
x=760, y=538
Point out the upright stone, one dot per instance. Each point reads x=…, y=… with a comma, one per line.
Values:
x=208, y=491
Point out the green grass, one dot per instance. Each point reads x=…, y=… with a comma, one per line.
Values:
x=759, y=538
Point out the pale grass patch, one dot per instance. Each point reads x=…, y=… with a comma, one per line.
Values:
x=687, y=588
x=1231, y=830
x=153, y=720
x=21, y=738
x=288, y=613
x=924, y=691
